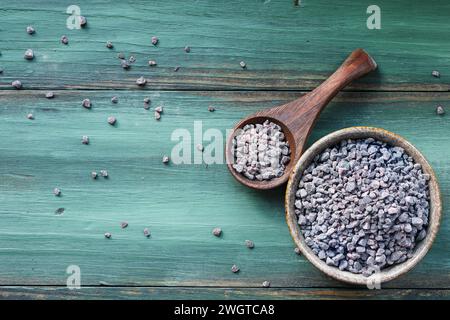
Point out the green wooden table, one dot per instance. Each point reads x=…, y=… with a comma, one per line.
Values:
x=289, y=49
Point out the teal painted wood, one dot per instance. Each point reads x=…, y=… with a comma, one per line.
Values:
x=284, y=46
x=180, y=204
x=183, y=293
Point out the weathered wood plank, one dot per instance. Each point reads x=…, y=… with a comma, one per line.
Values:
x=186, y=293
x=285, y=47
x=180, y=204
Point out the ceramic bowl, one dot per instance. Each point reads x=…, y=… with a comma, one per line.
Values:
x=388, y=273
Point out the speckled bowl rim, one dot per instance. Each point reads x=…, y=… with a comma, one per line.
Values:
x=331, y=139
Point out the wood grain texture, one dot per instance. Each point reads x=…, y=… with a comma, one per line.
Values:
x=286, y=47
x=180, y=204
x=192, y=293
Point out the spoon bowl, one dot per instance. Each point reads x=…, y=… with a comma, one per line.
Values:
x=297, y=118
x=264, y=184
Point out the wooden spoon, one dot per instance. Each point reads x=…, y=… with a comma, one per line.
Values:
x=298, y=117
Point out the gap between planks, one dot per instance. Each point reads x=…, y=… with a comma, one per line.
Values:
x=214, y=90
x=347, y=288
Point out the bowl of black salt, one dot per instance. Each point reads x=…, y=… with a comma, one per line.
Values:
x=363, y=205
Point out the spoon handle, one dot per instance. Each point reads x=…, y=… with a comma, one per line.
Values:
x=357, y=64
